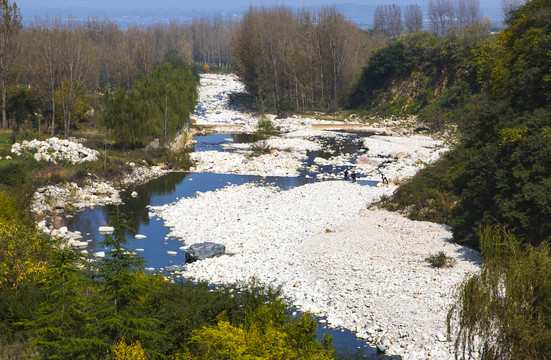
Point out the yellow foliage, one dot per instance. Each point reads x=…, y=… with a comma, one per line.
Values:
x=511, y=136
x=264, y=339
x=133, y=351
x=206, y=67
x=21, y=253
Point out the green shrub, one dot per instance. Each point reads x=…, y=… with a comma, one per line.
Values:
x=264, y=129
x=12, y=172
x=260, y=147
x=440, y=260
x=431, y=194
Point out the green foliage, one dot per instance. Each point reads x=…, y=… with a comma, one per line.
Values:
x=115, y=309
x=440, y=260
x=431, y=194
x=420, y=70
x=505, y=311
x=158, y=106
x=63, y=329
x=23, y=103
x=264, y=129
x=507, y=175
x=13, y=172
x=517, y=67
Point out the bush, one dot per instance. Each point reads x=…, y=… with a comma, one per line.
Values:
x=12, y=172
x=260, y=147
x=440, y=260
x=431, y=194
x=264, y=129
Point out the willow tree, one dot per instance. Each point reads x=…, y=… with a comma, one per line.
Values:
x=505, y=311
x=159, y=105
x=10, y=25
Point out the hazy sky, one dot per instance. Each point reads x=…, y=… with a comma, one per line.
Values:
x=209, y=4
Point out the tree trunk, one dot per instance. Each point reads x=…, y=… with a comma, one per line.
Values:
x=53, y=114
x=4, y=105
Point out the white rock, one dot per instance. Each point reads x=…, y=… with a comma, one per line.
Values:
x=106, y=229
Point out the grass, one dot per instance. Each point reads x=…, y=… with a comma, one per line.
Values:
x=5, y=142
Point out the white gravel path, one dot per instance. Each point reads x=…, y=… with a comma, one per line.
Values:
x=362, y=268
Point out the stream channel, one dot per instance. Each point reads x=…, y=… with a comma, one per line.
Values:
x=169, y=188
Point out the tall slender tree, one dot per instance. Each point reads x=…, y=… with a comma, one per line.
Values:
x=413, y=18
x=10, y=25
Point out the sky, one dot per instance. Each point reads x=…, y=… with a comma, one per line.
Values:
x=209, y=4
x=147, y=12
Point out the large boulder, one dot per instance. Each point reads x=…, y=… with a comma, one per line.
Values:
x=201, y=251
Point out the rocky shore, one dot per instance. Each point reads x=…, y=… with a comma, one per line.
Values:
x=51, y=203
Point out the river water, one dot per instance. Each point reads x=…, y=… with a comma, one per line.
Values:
x=155, y=246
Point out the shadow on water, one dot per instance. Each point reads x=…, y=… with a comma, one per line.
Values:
x=174, y=186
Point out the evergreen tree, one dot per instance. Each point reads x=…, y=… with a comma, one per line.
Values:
x=117, y=308
x=64, y=328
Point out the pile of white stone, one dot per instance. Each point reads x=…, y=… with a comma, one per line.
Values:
x=48, y=199
x=67, y=239
x=142, y=174
x=54, y=150
x=276, y=163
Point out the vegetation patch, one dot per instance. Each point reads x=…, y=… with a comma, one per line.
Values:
x=440, y=260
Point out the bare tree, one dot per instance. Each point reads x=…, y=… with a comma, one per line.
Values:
x=387, y=20
x=509, y=5
x=48, y=64
x=468, y=12
x=10, y=25
x=79, y=69
x=413, y=18
x=441, y=15
x=302, y=60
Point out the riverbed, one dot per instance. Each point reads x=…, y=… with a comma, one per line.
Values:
x=288, y=218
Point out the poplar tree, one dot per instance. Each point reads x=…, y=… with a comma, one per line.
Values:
x=10, y=25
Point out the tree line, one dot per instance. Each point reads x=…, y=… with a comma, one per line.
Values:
x=299, y=61
x=60, y=66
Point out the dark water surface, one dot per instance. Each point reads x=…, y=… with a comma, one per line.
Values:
x=173, y=186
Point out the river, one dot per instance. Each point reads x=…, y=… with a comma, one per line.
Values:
x=156, y=245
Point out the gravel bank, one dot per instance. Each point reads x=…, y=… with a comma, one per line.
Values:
x=363, y=269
